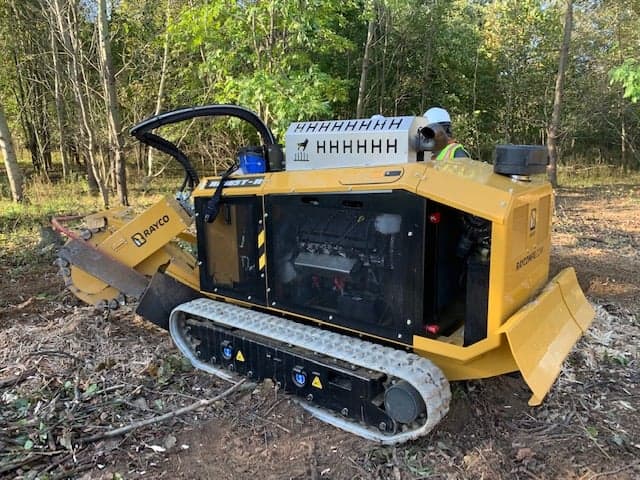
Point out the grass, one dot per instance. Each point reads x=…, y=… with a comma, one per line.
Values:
x=21, y=223
x=595, y=175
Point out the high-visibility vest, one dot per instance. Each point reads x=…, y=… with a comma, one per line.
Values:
x=448, y=152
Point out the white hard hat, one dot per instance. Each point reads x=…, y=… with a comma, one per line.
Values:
x=437, y=115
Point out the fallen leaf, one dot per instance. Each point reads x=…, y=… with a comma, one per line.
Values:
x=169, y=442
x=626, y=405
x=524, y=454
x=141, y=403
x=65, y=440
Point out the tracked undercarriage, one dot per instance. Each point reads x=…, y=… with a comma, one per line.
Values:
x=361, y=276
x=377, y=392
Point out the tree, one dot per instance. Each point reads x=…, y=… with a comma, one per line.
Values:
x=521, y=40
x=269, y=56
x=67, y=25
x=27, y=40
x=493, y=64
x=111, y=99
x=554, y=126
x=366, y=59
x=628, y=75
x=61, y=111
x=162, y=82
x=10, y=160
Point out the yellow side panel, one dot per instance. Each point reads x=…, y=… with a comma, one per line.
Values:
x=223, y=262
x=90, y=284
x=184, y=273
x=520, y=251
x=495, y=362
x=543, y=332
x=375, y=175
x=147, y=233
x=91, y=289
x=466, y=185
x=344, y=180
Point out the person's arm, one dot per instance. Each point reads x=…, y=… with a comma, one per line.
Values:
x=461, y=153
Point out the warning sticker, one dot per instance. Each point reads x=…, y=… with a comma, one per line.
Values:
x=239, y=356
x=316, y=382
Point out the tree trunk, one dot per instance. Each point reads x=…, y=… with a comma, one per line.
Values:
x=25, y=120
x=67, y=26
x=60, y=110
x=163, y=75
x=113, y=110
x=621, y=103
x=554, y=127
x=365, y=66
x=385, y=23
x=430, y=36
x=10, y=160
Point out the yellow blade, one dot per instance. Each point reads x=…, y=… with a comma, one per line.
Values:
x=543, y=332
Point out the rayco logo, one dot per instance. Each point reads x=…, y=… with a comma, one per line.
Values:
x=140, y=238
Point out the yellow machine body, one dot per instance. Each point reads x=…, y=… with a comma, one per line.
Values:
x=532, y=323
x=359, y=275
x=136, y=245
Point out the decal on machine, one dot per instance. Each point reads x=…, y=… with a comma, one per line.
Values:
x=316, y=382
x=301, y=154
x=140, y=238
x=533, y=218
x=236, y=182
x=529, y=258
x=352, y=143
x=349, y=146
x=372, y=124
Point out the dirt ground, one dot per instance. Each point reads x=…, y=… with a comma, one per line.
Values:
x=69, y=374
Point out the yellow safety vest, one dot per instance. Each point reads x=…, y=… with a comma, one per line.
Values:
x=448, y=152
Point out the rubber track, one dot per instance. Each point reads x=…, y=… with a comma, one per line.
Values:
x=418, y=371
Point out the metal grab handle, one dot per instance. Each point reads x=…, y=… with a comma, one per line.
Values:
x=182, y=114
x=142, y=132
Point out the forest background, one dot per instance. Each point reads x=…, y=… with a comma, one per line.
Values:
x=77, y=74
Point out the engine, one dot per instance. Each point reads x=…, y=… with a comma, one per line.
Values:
x=343, y=261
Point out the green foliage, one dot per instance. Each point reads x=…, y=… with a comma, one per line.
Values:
x=21, y=407
x=44, y=200
x=492, y=64
x=628, y=74
x=267, y=56
x=522, y=39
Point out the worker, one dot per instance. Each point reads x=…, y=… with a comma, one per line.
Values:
x=439, y=126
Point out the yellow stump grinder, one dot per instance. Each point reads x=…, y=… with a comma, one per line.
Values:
x=350, y=268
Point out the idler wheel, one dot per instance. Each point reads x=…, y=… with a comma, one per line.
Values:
x=403, y=403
